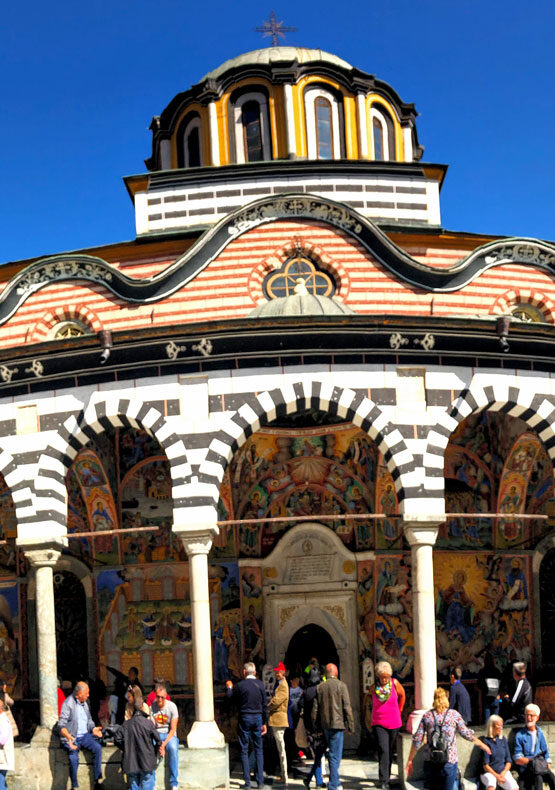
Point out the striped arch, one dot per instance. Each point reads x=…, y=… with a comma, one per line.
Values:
x=289, y=399
x=504, y=304
x=80, y=312
x=50, y=485
x=536, y=410
x=18, y=485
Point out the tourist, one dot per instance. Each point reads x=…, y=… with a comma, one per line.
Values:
x=442, y=776
x=497, y=765
x=133, y=694
x=277, y=708
x=250, y=695
x=518, y=697
x=8, y=702
x=530, y=748
x=333, y=706
x=6, y=746
x=387, y=697
x=164, y=714
x=293, y=715
x=459, y=698
x=64, y=690
x=140, y=741
x=314, y=732
x=152, y=696
x=77, y=731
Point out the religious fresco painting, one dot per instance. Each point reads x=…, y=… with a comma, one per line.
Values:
x=225, y=543
x=225, y=610
x=482, y=606
x=322, y=470
x=365, y=606
x=253, y=612
x=10, y=638
x=494, y=463
x=393, y=619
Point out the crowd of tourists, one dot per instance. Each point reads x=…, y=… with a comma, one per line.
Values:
x=306, y=717
x=313, y=712
x=451, y=714
x=145, y=728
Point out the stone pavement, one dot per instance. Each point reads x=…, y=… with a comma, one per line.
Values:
x=355, y=773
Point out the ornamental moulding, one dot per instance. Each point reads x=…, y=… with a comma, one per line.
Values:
x=528, y=252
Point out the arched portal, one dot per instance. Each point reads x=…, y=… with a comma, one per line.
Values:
x=310, y=641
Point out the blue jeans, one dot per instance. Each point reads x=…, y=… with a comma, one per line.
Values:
x=316, y=770
x=142, y=780
x=442, y=777
x=87, y=741
x=249, y=727
x=334, y=739
x=172, y=756
x=3, y=784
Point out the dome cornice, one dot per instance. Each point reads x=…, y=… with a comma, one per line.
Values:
x=277, y=72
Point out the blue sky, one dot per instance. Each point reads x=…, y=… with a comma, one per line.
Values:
x=80, y=83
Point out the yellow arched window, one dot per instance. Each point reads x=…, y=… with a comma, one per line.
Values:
x=528, y=312
x=282, y=282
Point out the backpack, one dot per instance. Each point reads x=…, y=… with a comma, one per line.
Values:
x=438, y=743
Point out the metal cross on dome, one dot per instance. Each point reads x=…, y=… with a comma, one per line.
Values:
x=274, y=29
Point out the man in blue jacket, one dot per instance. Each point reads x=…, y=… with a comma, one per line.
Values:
x=459, y=698
x=529, y=743
x=250, y=695
x=77, y=731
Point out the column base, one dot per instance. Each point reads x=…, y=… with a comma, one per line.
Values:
x=414, y=720
x=205, y=735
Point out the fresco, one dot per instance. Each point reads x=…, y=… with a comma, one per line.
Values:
x=146, y=501
x=388, y=530
x=145, y=620
x=393, y=620
x=8, y=531
x=252, y=609
x=494, y=463
x=365, y=605
x=134, y=446
x=225, y=544
x=481, y=606
x=468, y=489
x=10, y=638
x=313, y=471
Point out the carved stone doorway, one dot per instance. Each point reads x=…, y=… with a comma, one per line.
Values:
x=309, y=582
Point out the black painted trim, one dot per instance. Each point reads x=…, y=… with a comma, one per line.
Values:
x=64, y=267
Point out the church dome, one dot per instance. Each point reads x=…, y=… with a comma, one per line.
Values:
x=270, y=55
x=300, y=303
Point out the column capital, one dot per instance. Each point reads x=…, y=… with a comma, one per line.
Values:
x=197, y=541
x=44, y=555
x=421, y=532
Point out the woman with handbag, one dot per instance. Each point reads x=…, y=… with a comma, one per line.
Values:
x=497, y=765
x=387, y=697
x=531, y=753
x=441, y=725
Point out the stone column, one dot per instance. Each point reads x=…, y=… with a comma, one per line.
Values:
x=421, y=536
x=43, y=560
x=204, y=733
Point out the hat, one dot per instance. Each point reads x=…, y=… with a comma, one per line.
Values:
x=280, y=667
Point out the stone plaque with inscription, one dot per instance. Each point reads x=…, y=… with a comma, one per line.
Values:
x=308, y=568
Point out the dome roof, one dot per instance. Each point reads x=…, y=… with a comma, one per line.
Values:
x=277, y=55
x=300, y=303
